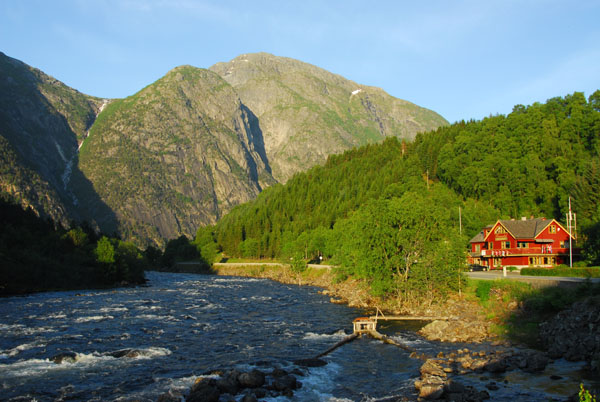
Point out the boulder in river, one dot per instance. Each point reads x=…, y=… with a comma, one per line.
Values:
x=131, y=353
x=64, y=357
x=204, y=390
x=252, y=379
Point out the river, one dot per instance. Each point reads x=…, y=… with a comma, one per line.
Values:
x=184, y=325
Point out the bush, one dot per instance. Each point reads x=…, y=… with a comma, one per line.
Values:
x=589, y=272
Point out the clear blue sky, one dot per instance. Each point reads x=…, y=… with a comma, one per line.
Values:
x=463, y=59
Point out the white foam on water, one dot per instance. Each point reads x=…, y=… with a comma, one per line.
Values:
x=27, y=368
x=26, y=346
x=149, y=307
x=153, y=352
x=10, y=327
x=410, y=342
x=237, y=280
x=261, y=298
x=318, y=384
x=156, y=317
x=337, y=335
x=38, y=367
x=211, y=306
x=19, y=329
x=94, y=318
x=55, y=316
x=113, y=309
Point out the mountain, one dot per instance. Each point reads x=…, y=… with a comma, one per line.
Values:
x=180, y=153
x=306, y=113
x=41, y=123
x=174, y=156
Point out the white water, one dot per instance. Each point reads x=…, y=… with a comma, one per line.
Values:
x=185, y=325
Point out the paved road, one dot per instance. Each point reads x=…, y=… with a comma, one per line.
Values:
x=491, y=275
x=258, y=264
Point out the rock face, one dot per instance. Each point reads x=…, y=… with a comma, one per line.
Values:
x=41, y=123
x=574, y=333
x=306, y=113
x=175, y=156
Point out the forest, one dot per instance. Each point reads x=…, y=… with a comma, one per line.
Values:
x=40, y=255
x=389, y=213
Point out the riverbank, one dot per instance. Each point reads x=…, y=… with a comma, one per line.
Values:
x=474, y=374
x=465, y=320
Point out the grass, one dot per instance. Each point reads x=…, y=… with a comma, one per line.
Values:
x=516, y=309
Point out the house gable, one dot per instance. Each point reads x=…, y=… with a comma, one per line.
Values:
x=560, y=231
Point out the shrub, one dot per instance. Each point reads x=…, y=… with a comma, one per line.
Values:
x=589, y=272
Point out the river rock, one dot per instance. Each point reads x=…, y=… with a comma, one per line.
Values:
x=535, y=362
x=252, y=379
x=64, y=357
x=249, y=398
x=432, y=368
x=454, y=387
x=204, y=390
x=169, y=397
x=278, y=372
x=496, y=365
x=430, y=388
x=287, y=382
x=228, y=385
x=574, y=333
x=131, y=353
x=458, y=330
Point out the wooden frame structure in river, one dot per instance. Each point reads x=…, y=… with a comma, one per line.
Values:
x=369, y=324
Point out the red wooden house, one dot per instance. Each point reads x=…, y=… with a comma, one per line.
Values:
x=538, y=242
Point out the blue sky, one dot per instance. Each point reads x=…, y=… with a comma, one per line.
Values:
x=464, y=59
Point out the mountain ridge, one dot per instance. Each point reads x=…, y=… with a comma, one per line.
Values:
x=322, y=112
x=185, y=149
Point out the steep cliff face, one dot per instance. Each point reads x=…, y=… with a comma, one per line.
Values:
x=175, y=156
x=306, y=113
x=41, y=122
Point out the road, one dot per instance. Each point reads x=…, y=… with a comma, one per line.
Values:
x=259, y=264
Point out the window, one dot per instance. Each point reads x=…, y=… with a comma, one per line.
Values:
x=522, y=244
x=490, y=245
x=500, y=230
x=552, y=229
x=477, y=247
x=505, y=244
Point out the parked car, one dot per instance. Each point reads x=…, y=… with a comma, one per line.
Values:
x=477, y=267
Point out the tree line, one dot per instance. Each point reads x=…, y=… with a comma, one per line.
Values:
x=38, y=255
x=389, y=213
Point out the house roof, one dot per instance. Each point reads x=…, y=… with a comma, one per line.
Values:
x=478, y=238
x=520, y=229
x=526, y=229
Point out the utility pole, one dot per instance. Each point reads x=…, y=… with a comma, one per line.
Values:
x=570, y=217
x=459, y=220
